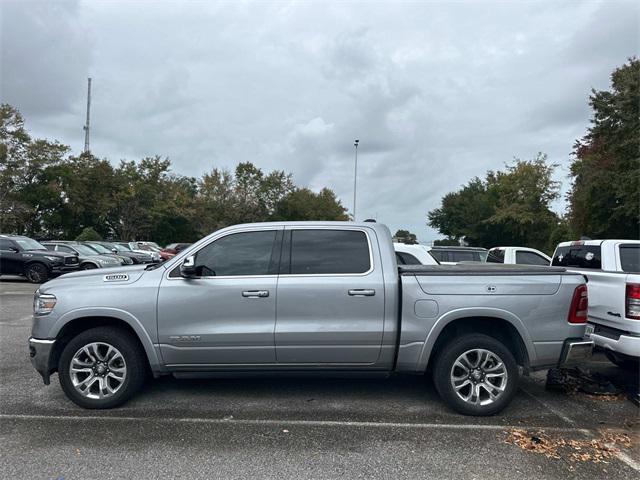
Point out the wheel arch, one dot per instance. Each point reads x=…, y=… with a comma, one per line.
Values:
x=89, y=262
x=32, y=261
x=501, y=325
x=74, y=323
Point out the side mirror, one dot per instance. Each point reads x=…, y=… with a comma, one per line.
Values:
x=14, y=250
x=188, y=267
x=114, y=250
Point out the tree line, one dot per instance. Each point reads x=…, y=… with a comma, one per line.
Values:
x=45, y=192
x=513, y=206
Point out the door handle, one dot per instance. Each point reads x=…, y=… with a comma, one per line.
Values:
x=359, y=292
x=255, y=293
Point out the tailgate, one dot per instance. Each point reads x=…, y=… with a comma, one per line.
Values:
x=607, y=295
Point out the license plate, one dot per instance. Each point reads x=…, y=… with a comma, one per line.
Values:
x=589, y=330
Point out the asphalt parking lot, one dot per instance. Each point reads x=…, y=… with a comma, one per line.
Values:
x=294, y=428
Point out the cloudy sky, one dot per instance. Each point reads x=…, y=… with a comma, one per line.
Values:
x=437, y=92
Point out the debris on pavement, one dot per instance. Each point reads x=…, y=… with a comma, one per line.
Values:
x=572, y=380
x=599, y=450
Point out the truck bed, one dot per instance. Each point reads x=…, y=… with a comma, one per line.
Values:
x=482, y=269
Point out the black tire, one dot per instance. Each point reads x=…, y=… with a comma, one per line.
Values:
x=36, y=272
x=623, y=362
x=135, y=361
x=443, y=371
x=88, y=266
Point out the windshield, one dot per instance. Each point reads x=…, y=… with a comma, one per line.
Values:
x=119, y=248
x=125, y=247
x=99, y=248
x=84, y=250
x=29, y=244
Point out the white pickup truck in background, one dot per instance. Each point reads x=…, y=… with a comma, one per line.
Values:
x=407, y=254
x=517, y=256
x=612, y=268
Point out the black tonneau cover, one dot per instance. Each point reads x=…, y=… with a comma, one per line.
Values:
x=481, y=269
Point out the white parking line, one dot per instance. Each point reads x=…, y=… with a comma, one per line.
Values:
x=623, y=457
x=549, y=407
x=284, y=422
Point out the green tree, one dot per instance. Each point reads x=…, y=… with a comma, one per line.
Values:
x=304, y=204
x=605, y=199
x=88, y=234
x=28, y=193
x=88, y=189
x=446, y=242
x=46, y=192
x=405, y=236
x=510, y=207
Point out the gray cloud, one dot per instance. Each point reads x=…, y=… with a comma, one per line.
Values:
x=436, y=92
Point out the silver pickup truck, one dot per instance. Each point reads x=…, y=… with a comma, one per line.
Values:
x=322, y=298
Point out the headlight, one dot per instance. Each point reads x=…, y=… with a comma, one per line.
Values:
x=53, y=259
x=43, y=303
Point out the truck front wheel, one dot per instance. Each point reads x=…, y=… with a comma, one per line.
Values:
x=101, y=368
x=476, y=375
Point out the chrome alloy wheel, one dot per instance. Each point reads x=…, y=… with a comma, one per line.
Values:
x=479, y=377
x=98, y=370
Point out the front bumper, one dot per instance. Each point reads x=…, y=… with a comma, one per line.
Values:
x=575, y=351
x=60, y=269
x=40, y=354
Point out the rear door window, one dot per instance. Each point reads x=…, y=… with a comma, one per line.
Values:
x=578, y=256
x=495, y=255
x=530, y=258
x=6, y=245
x=439, y=255
x=462, y=256
x=325, y=252
x=630, y=258
x=407, y=259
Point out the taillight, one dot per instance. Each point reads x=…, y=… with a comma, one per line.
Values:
x=632, y=304
x=579, y=305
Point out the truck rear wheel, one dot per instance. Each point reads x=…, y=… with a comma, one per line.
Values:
x=101, y=368
x=476, y=375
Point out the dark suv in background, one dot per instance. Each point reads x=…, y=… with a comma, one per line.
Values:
x=24, y=256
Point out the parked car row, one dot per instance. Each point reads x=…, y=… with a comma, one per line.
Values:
x=451, y=255
x=40, y=261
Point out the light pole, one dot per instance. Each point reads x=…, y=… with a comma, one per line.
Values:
x=355, y=179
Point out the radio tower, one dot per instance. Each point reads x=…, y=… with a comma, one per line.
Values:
x=86, y=126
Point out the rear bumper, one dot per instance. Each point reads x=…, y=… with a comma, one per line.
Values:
x=616, y=341
x=40, y=354
x=575, y=351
